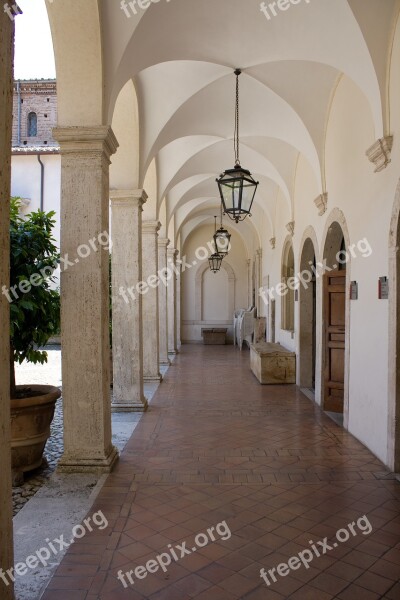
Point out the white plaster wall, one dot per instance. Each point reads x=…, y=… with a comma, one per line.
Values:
x=215, y=286
x=25, y=182
x=366, y=200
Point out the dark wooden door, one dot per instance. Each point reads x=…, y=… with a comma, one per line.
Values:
x=335, y=330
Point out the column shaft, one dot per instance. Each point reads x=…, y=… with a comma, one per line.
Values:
x=178, y=308
x=151, y=342
x=163, y=302
x=127, y=325
x=171, y=299
x=6, y=88
x=85, y=159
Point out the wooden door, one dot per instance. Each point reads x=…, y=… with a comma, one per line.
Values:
x=335, y=330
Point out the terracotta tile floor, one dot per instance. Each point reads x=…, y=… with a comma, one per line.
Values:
x=216, y=446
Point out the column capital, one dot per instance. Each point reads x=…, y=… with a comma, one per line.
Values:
x=172, y=252
x=152, y=227
x=124, y=197
x=163, y=242
x=86, y=139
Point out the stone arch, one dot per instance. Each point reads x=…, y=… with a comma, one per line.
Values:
x=287, y=272
x=77, y=41
x=307, y=355
x=199, y=288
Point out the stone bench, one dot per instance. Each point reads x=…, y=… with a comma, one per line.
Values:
x=215, y=336
x=272, y=363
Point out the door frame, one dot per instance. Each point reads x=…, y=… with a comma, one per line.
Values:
x=335, y=217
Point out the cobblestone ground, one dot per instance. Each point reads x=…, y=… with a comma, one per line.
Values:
x=47, y=374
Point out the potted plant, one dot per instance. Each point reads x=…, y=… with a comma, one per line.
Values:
x=35, y=317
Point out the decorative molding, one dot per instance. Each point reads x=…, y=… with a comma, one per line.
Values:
x=380, y=153
x=151, y=227
x=321, y=202
x=290, y=227
x=163, y=242
x=272, y=241
x=84, y=140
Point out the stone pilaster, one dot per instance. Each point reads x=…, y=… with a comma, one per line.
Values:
x=163, y=302
x=127, y=299
x=85, y=160
x=6, y=86
x=151, y=342
x=171, y=299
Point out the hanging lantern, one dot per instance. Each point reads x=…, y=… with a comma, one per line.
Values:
x=222, y=240
x=215, y=260
x=237, y=187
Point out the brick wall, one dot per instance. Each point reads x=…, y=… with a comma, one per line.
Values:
x=39, y=97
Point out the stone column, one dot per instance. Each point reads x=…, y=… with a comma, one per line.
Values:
x=151, y=343
x=85, y=160
x=171, y=299
x=249, y=283
x=163, y=302
x=258, y=269
x=6, y=88
x=127, y=325
x=178, y=306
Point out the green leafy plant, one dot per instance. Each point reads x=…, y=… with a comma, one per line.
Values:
x=35, y=308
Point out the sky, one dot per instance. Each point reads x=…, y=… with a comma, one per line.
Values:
x=34, y=56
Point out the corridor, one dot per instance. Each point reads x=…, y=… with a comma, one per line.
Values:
x=215, y=446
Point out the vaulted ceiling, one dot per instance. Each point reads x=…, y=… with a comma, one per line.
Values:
x=180, y=55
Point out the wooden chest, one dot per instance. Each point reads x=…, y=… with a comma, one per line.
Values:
x=272, y=363
x=215, y=337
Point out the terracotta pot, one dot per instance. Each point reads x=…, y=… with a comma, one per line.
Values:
x=30, y=426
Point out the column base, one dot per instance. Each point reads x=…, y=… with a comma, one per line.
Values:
x=173, y=352
x=88, y=465
x=153, y=378
x=130, y=406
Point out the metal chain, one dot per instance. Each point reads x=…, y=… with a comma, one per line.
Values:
x=236, y=137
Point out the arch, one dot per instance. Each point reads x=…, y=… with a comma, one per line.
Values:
x=288, y=298
x=393, y=449
x=77, y=40
x=335, y=234
x=199, y=288
x=307, y=343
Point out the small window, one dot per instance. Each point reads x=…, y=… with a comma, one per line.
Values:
x=45, y=116
x=45, y=141
x=32, y=124
x=48, y=99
